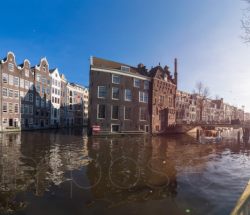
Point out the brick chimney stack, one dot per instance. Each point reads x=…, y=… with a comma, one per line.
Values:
x=175, y=70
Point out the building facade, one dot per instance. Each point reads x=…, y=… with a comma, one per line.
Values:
x=36, y=98
x=163, y=98
x=124, y=98
x=10, y=102
x=119, y=97
x=55, y=97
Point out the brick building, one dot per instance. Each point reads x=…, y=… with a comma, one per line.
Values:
x=26, y=95
x=163, y=98
x=119, y=96
x=10, y=102
x=42, y=96
x=34, y=97
x=124, y=98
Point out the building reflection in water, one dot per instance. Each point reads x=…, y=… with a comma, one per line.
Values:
x=115, y=171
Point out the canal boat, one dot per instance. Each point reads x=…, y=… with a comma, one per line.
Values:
x=210, y=134
x=243, y=204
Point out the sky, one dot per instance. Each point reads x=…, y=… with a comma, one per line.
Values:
x=205, y=37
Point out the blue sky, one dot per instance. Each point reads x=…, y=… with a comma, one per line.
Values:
x=203, y=35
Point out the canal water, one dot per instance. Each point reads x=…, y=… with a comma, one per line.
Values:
x=63, y=172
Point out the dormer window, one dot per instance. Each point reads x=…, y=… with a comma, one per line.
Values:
x=44, y=68
x=26, y=72
x=125, y=68
x=11, y=67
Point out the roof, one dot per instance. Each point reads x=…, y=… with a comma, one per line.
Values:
x=108, y=64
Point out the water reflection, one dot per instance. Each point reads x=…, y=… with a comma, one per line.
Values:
x=64, y=172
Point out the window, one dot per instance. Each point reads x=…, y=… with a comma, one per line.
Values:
x=26, y=109
x=44, y=80
x=115, y=93
x=16, y=108
x=43, y=89
x=16, y=94
x=143, y=97
x=42, y=103
x=161, y=99
x=30, y=97
x=30, y=121
x=115, y=128
x=10, y=80
x=21, y=83
x=127, y=112
x=143, y=115
x=146, y=85
x=22, y=108
x=102, y=92
x=37, y=101
x=22, y=95
x=5, y=121
x=16, y=81
x=128, y=95
x=116, y=79
x=27, y=73
x=38, y=87
x=4, y=107
x=10, y=108
x=31, y=86
x=5, y=78
x=5, y=92
x=10, y=93
x=137, y=82
x=125, y=68
x=115, y=112
x=38, y=77
x=11, y=67
x=27, y=84
x=101, y=111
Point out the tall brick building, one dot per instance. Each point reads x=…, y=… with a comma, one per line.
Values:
x=34, y=98
x=124, y=98
x=119, y=96
x=163, y=98
x=10, y=102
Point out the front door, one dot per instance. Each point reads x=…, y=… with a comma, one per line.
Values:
x=10, y=122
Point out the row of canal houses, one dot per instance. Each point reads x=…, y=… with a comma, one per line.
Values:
x=35, y=97
x=190, y=110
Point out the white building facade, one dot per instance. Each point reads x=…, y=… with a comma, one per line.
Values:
x=55, y=97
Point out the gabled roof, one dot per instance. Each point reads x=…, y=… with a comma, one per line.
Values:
x=108, y=64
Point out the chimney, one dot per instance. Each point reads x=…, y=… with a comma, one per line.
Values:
x=175, y=65
x=175, y=71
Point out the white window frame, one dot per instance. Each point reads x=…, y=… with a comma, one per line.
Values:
x=125, y=99
x=118, y=93
x=114, y=75
x=137, y=79
x=140, y=115
x=125, y=112
x=144, y=100
x=98, y=111
x=115, y=124
x=112, y=112
x=11, y=67
x=125, y=68
x=99, y=91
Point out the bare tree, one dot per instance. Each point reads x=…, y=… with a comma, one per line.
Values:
x=202, y=94
x=245, y=22
x=217, y=97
